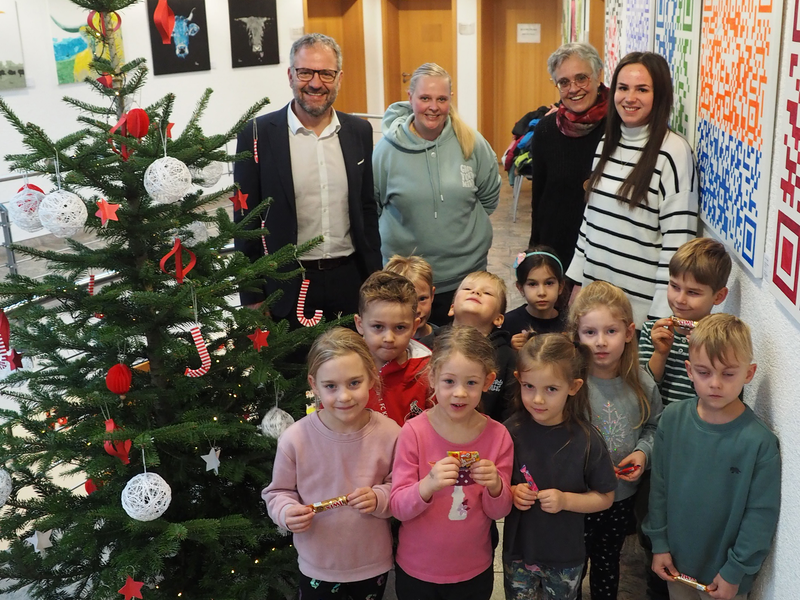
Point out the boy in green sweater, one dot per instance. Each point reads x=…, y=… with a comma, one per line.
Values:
x=715, y=490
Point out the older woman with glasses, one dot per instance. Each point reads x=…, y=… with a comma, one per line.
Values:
x=436, y=183
x=563, y=147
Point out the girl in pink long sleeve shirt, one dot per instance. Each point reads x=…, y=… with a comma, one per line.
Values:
x=446, y=503
x=347, y=450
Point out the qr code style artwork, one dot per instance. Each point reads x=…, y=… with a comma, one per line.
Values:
x=638, y=30
x=740, y=46
x=677, y=38
x=786, y=258
x=614, y=19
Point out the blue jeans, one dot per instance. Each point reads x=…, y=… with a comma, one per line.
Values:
x=529, y=582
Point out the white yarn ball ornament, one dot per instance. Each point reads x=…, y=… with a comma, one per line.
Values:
x=63, y=213
x=191, y=234
x=23, y=209
x=209, y=175
x=167, y=180
x=275, y=422
x=146, y=497
x=5, y=486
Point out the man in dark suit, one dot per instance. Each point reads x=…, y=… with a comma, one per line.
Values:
x=316, y=165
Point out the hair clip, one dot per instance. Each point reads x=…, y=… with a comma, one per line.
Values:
x=523, y=255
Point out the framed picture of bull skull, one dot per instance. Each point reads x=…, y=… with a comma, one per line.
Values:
x=186, y=50
x=254, y=33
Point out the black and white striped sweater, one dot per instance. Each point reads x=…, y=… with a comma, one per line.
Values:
x=632, y=247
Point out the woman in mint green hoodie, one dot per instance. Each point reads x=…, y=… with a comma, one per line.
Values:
x=436, y=183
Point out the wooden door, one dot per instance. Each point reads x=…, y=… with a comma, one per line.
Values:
x=416, y=32
x=512, y=76
x=343, y=20
x=597, y=26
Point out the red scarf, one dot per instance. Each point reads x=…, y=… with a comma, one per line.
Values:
x=573, y=125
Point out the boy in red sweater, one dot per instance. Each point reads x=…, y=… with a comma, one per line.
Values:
x=387, y=308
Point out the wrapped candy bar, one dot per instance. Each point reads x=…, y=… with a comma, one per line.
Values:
x=467, y=457
x=527, y=475
x=684, y=323
x=329, y=504
x=691, y=582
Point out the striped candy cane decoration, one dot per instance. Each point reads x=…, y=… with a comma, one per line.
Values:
x=255, y=141
x=202, y=350
x=301, y=308
x=91, y=293
x=263, y=239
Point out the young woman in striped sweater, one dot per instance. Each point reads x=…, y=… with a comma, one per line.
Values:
x=643, y=192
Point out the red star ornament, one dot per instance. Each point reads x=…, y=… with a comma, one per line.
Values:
x=259, y=338
x=14, y=359
x=107, y=212
x=239, y=200
x=169, y=130
x=131, y=589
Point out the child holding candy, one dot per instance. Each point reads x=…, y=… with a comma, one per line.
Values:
x=451, y=478
x=716, y=487
x=625, y=405
x=332, y=476
x=562, y=470
x=698, y=276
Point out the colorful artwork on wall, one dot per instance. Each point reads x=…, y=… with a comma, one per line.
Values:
x=614, y=49
x=75, y=41
x=740, y=47
x=786, y=259
x=254, y=32
x=12, y=67
x=677, y=38
x=187, y=48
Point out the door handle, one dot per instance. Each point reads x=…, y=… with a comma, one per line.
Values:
x=406, y=76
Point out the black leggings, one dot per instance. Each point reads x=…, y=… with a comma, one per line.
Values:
x=366, y=589
x=411, y=588
x=604, y=533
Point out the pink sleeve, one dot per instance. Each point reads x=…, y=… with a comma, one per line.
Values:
x=282, y=491
x=405, y=499
x=498, y=508
x=383, y=490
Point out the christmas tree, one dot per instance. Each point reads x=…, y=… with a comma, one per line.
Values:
x=189, y=419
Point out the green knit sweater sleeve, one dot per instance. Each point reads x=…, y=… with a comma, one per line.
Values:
x=760, y=518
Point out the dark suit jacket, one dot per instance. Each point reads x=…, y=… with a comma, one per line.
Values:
x=272, y=178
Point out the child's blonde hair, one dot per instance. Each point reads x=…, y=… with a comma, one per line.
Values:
x=601, y=294
x=720, y=335
x=338, y=342
x=413, y=268
x=497, y=282
x=570, y=361
x=466, y=341
x=383, y=286
x=706, y=260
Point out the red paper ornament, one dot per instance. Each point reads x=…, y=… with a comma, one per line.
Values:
x=107, y=212
x=259, y=338
x=118, y=379
x=164, y=20
x=106, y=80
x=90, y=21
x=202, y=350
x=138, y=122
x=180, y=271
x=121, y=449
x=14, y=360
x=131, y=589
x=301, y=307
x=169, y=130
x=239, y=200
x=90, y=487
x=111, y=426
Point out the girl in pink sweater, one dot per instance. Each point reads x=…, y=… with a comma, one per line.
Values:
x=347, y=450
x=451, y=478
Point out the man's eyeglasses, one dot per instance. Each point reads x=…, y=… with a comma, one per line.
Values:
x=580, y=80
x=325, y=75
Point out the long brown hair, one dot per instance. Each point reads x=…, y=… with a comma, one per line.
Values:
x=601, y=294
x=633, y=190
